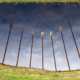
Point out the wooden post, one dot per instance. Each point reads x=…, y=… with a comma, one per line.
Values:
x=31, y=48
x=74, y=38
x=7, y=42
x=64, y=47
x=53, y=50
x=19, y=46
x=42, y=34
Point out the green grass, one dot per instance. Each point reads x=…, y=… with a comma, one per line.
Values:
x=8, y=72
x=38, y=1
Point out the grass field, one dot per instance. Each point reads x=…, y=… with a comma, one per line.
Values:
x=38, y=1
x=21, y=73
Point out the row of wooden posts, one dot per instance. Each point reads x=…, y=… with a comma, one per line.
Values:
x=64, y=3
x=42, y=34
x=59, y=3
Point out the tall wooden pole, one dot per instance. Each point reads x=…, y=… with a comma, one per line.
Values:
x=31, y=48
x=53, y=50
x=19, y=46
x=74, y=38
x=64, y=47
x=42, y=34
x=7, y=42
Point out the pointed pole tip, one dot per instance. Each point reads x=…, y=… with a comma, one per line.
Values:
x=22, y=29
x=32, y=33
x=50, y=33
x=60, y=28
x=11, y=24
x=42, y=34
x=68, y=21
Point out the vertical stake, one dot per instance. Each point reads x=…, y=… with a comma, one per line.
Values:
x=19, y=46
x=64, y=47
x=74, y=38
x=31, y=48
x=42, y=34
x=7, y=42
x=53, y=50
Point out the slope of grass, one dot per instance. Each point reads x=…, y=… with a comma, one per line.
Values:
x=39, y=1
x=8, y=72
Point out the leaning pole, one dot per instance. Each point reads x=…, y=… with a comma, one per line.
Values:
x=64, y=47
x=42, y=34
x=53, y=50
x=19, y=46
x=31, y=49
x=7, y=42
x=74, y=38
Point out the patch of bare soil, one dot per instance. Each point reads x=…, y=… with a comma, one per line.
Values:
x=65, y=76
x=11, y=69
x=9, y=74
x=78, y=76
x=35, y=75
x=72, y=75
x=56, y=76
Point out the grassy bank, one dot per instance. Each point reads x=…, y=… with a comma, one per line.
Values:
x=21, y=73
